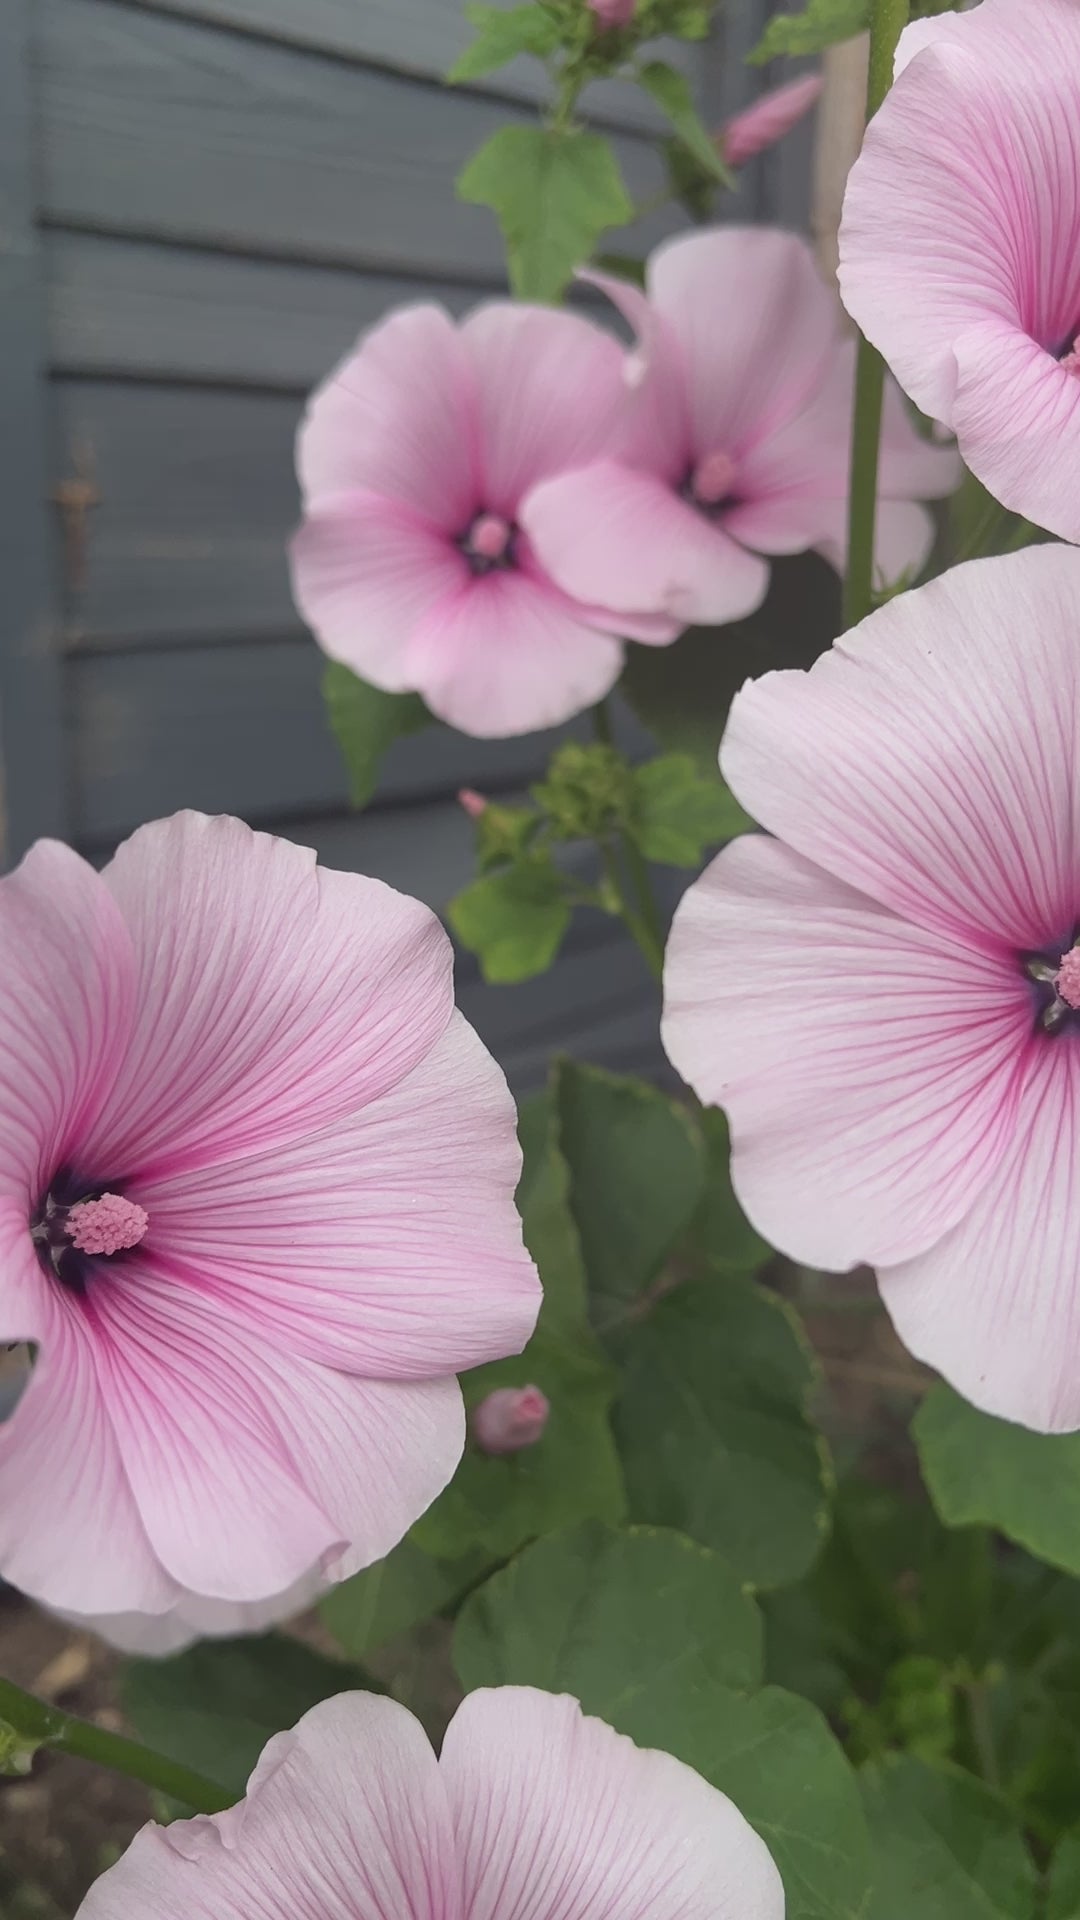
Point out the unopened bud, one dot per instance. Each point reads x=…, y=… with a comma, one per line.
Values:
x=510, y=1418
x=761, y=125
x=473, y=803
x=612, y=13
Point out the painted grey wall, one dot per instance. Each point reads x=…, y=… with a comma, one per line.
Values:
x=201, y=203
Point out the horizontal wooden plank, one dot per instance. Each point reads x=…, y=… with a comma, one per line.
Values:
x=240, y=729
x=420, y=37
x=160, y=127
x=128, y=307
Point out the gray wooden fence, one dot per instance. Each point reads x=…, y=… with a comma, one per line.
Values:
x=201, y=204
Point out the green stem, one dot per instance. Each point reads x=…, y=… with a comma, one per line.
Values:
x=644, y=922
x=39, y=1724
x=977, y=1694
x=888, y=19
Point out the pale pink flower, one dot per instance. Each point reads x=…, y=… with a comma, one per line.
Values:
x=740, y=444
x=410, y=565
x=533, y=1811
x=885, y=996
x=768, y=119
x=256, y=1209
x=960, y=243
x=613, y=13
x=510, y=1418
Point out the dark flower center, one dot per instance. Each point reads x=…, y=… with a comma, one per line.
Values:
x=1055, y=975
x=489, y=544
x=78, y=1222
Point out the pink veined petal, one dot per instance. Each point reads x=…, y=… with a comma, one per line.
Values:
x=1033, y=467
x=903, y=540
x=623, y=538
x=932, y=757
x=976, y=152
x=995, y=1304
x=345, y=1819
x=390, y=1245
x=557, y=1817
x=551, y=390
x=274, y=998
x=869, y=1068
x=67, y=967
x=364, y=571
x=511, y=654
x=70, y=1530
x=756, y=325
x=194, y=1617
x=398, y=417
x=250, y=1468
x=656, y=431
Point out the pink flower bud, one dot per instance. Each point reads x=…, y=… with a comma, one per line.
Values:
x=612, y=13
x=510, y=1418
x=473, y=803
x=763, y=124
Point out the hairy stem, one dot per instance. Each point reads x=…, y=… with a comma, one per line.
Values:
x=641, y=916
x=888, y=19
x=39, y=1724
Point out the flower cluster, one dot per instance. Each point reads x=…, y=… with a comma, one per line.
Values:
x=491, y=508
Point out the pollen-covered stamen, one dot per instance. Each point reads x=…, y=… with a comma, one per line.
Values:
x=109, y=1225
x=1067, y=979
x=713, y=478
x=489, y=543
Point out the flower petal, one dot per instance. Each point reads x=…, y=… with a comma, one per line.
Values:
x=621, y=538
x=511, y=654
x=389, y=1245
x=551, y=390
x=70, y=1530
x=274, y=998
x=932, y=757
x=397, y=418
x=995, y=1304
x=251, y=1467
x=557, y=1817
x=68, y=971
x=345, y=1819
x=1033, y=467
x=756, y=324
x=364, y=571
x=868, y=1068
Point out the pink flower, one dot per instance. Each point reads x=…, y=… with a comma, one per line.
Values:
x=740, y=446
x=256, y=1208
x=533, y=1811
x=884, y=996
x=509, y=1419
x=411, y=565
x=612, y=13
x=768, y=119
x=960, y=244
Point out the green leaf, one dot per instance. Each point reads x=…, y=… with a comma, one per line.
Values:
x=365, y=723
x=573, y=1472
x=944, y=1846
x=214, y=1707
x=636, y=1165
x=503, y=834
x=1063, y=1890
x=554, y=193
x=653, y=1636
x=982, y=1470
x=500, y=36
x=515, y=921
x=713, y=1428
x=821, y=24
x=678, y=812
x=671, y=91
x=396, y=1594
x=720, y=1233
x=683, y=692
x=612, y=1618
